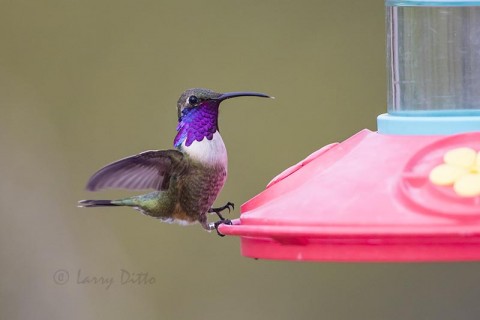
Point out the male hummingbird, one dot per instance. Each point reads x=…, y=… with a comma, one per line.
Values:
x=187, y=179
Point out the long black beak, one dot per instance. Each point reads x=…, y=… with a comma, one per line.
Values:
x=228, y=95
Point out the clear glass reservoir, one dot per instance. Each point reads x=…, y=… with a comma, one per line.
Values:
x=433, y=57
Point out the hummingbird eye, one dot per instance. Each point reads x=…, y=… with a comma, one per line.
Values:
x=192, y=100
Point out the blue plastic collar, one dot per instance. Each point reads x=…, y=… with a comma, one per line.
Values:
x=426, y=125
x=431, y=3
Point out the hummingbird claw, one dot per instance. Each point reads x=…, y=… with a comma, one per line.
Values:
x=230, y=206
x=218, y=223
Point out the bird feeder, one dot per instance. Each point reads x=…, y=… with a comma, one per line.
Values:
x=411, y=190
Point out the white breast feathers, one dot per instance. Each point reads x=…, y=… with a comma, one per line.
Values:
x=212, y=152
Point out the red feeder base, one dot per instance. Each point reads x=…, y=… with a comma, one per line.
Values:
x=368, y=198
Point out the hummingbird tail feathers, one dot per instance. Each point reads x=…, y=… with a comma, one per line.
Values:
x=96, y=203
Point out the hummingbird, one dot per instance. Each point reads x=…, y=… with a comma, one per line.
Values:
x=186, y=179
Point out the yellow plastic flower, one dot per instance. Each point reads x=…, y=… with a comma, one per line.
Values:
x=461, y=169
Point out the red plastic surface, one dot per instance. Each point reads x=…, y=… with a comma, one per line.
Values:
x=365, y=199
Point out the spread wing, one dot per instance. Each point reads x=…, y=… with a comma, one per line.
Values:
x=147, y=170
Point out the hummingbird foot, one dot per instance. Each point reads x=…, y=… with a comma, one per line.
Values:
x=230, y=206
x=215, y=225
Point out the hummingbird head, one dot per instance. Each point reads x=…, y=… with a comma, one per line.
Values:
x=198, y=113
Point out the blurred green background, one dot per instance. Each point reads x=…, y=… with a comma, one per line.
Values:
x=84, y=83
